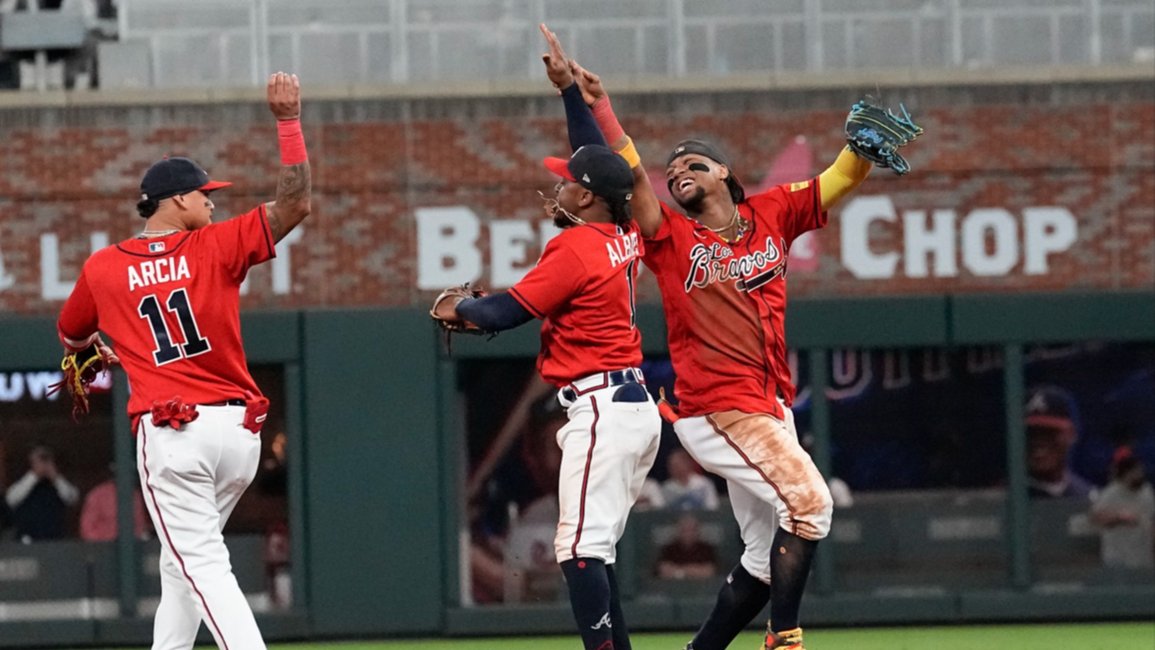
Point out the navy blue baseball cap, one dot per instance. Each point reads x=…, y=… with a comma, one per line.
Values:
x=598, y=169
x=173, y=176
x=700, y=147
x=1050, y=407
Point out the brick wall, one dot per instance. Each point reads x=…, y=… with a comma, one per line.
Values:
x=1089, y=149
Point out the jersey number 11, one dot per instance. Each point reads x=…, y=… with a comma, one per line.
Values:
x=166, y=351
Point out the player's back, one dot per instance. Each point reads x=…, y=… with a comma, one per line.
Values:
x=583, y=289
x=171, y=307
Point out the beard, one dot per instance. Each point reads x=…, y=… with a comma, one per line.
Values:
x=560, y=217
x=692, y=203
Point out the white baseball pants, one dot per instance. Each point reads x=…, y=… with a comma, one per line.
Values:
x=772, y=481
x=607, y=448
x=192, y=479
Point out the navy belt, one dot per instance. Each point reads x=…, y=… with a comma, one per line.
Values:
x=599, y=381
x=227, y=402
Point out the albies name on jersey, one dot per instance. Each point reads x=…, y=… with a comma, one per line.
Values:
x=623, y=249
x=716, y=263
x=164, y=269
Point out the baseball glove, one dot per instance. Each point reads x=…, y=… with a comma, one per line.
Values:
x=876, y=134
x=80, y=369
x=444, y=310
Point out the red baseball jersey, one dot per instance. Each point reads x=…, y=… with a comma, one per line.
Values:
x=171, y=306
x=726, y=303
x=583, y=290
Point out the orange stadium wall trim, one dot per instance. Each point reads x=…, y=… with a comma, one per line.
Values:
x=1047, y=187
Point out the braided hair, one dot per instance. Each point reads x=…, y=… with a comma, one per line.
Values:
x=147, y=207
x=619, y=210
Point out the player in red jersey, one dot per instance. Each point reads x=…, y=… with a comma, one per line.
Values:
x=582, y=289
x=169, y=300
x=721, y=269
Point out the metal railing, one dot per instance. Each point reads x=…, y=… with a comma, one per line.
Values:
x=237, y=42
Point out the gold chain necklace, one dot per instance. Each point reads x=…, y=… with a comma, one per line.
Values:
x=735, y=220
x=149, y=234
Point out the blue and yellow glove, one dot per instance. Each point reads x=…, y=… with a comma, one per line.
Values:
x=876, y=134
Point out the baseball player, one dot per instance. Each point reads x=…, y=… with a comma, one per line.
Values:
x=583, y=290
x=169, y=300
x=721, y=269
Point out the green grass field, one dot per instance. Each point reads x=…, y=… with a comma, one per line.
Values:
x=1097, y=636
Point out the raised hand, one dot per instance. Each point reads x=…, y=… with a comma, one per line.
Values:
x=284, y=94
x=557, y=65
x=590, y=83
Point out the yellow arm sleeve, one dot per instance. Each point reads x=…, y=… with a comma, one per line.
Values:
x=847, y=173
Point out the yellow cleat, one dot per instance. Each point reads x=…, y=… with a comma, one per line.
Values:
x=783, y=640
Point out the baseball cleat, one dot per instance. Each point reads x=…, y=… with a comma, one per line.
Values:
x=783, y=640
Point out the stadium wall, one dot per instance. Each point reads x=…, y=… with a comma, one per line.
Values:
x=376, y=483
x=1044, y=186
x=413, y=193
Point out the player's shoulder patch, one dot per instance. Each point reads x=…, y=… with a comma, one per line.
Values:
x=800, y=185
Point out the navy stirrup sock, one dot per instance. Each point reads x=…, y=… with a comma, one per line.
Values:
x=589, y=596
x=740, y=599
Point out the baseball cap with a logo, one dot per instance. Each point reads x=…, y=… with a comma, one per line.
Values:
x=1050, y=407
x=598, y=169
x=173, y=176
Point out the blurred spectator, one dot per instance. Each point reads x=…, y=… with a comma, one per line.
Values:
x=687, y=556
x=687, y=488
x=486, y=570
x=839, y=490
x=278, y=563
x=651, y=497
x=1051, y=431
x=98, y=514
x=41, y=498
x=513, y=520
x=273, y=479
x=5, y=519
x=532, y=573
x=1125, y=513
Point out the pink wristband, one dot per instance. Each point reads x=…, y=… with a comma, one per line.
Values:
x=292, y=142
x=607, y=121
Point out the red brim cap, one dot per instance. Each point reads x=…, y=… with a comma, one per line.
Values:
x=1049, y=421
x=213, y=185
x=559, y=166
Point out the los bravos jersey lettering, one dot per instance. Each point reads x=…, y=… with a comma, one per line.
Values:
x=717, y=262
x=725, y=302
x=171, y=307
x=583, y=290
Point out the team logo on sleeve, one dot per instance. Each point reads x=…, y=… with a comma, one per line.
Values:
x=717, y=263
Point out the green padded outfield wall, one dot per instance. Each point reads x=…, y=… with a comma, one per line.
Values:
x=377, y=473
x=374, y=480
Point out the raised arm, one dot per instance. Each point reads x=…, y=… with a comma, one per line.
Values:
x=840, y=178
x=580, y=123
x=294, y=187
x=644, y=206
x=873, y=135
